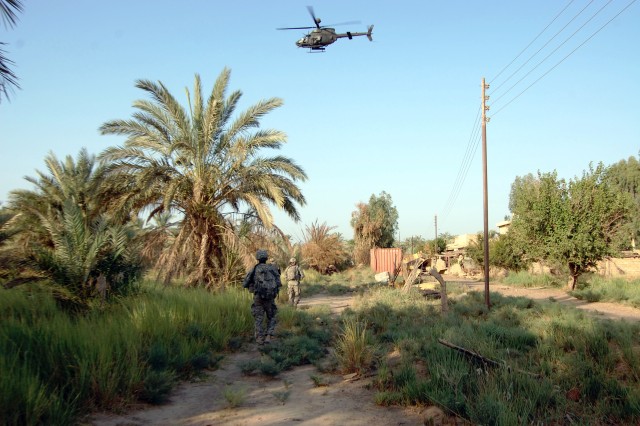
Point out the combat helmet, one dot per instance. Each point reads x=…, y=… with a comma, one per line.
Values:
x=262, y=255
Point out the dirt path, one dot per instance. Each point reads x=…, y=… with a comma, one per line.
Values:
x=608, y=310
x=290, y=399
x=293, y=398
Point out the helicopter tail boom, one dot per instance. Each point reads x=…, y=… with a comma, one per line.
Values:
x=351, y=35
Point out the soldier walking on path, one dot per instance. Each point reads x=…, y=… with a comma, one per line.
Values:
x=264, y=282
x=293, y=274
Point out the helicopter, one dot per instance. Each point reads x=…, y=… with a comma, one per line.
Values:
x=322, y=36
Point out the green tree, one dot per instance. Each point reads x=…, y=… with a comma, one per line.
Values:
x=374, y=225
x=204, y=167
x=572, y=223
x=625, y=176
x=413, y=244
x=440, y=243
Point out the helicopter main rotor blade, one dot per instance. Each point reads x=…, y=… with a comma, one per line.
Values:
x=343, y=23
x=313, y=15
x=295, y=28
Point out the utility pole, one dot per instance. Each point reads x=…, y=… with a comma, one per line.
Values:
x=485, y=191
x=436, y=239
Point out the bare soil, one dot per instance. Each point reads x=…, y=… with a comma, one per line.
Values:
x=293, y=398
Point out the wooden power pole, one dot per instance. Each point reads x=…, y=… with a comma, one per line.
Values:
x=436, y=240
x=485, y=191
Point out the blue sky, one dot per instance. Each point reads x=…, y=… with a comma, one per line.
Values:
x=395, y=115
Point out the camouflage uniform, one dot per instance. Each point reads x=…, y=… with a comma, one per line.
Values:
x=293, y=285
x=261, y=308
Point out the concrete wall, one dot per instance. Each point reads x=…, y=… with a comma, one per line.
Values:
x=620, y=268
x=611, y=268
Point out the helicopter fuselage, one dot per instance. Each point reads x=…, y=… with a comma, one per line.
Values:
x=317, y=39
x=321, y=37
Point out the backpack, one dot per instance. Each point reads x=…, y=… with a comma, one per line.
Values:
x=292, y=273
x=265, y=284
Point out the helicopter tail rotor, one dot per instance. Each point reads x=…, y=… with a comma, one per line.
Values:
x=369, y=31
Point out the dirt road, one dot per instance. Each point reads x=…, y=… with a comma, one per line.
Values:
x=609, y=310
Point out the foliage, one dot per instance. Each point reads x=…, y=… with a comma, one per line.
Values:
x=9, y=259
x=552, y=360
x=439, y=243
x=413, y=244
x=625, y=176
x=300, y=340
x=8, y=13
x=63, y=230
x=617, y=290
x=79, y=181
x=374, y=225
x=55, y=368
x=322, y=248
x=81, y=252
x=526, y=279
x=504, y=252
x=235, y=397
x=572, y=222
x=206, y=169
x=353, y=347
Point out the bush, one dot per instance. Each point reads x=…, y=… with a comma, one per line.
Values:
x=157, y=386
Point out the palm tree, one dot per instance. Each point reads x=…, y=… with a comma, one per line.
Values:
x=203, y=167
x=80, y=251
x=63, y=230
x=8, y=13
x=79, y=181
x=322, y=247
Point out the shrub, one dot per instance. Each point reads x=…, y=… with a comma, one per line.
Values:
x=353, y=348
x=157, y=386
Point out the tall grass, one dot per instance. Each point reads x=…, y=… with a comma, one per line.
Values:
x=55, y=367
x=599, y=289
x=351, y=280
x=353, y=349
x=527, y=279
x=552, y=361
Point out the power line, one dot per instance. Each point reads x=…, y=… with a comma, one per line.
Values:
x=532, y=41
x=543, y=46
x=461, y=171
x=472, y=146
x=474, y=139
x=563, y=59
x=552, y=52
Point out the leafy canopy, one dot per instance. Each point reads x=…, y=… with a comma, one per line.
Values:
x=207, y=168
x=569, y=222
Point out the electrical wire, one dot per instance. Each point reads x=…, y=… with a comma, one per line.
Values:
x=532, y=41
x=495, y=89
x=467, y=159
x=563, y=59
x=474, y=139
x=552, y=52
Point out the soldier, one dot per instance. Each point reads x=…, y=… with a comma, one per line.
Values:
x=293, y=274
x=264, y=282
